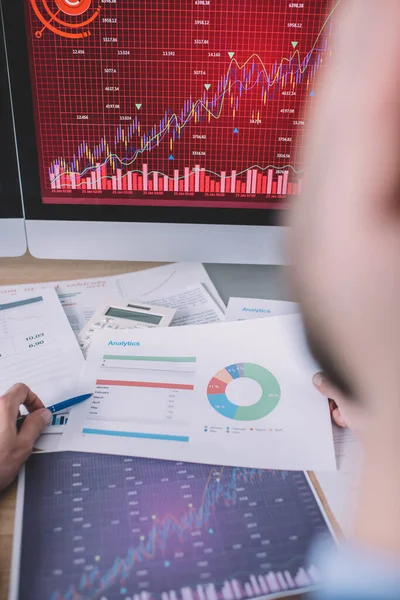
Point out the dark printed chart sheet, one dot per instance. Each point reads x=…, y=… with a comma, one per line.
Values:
x=115, y=528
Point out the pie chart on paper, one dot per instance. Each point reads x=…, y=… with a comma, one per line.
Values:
x=261, y=407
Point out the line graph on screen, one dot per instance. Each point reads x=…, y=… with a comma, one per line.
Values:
x=200, y=104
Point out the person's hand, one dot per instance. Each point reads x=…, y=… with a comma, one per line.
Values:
x=337, y=401
x=15, y=447
x=345, y=412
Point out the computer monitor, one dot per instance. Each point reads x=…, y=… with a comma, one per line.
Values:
x=163, y=130
x=12, y=228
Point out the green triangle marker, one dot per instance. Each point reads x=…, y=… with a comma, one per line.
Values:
x=294, y=44
x=207, y=86
x=231, y=54
x=138, y=106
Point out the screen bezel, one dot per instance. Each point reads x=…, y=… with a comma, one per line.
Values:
x=17, y=49
x=10, y=192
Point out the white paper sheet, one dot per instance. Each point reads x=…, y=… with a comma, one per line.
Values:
x=194, y=306
x=81, y=297
x=152, y=284
x=341, y=489
x=38, y=347
x=243, y=309
x=161, y=393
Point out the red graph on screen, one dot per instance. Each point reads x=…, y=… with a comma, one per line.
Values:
x=180, y=103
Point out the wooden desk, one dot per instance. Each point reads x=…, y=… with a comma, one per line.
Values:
x=25, y=270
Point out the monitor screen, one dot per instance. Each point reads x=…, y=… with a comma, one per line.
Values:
x=182, y=111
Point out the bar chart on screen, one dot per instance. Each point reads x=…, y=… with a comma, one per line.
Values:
x=210, y=109
x=115, y=527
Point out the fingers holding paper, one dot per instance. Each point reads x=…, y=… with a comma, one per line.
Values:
x=337, y=400
x=16, y=447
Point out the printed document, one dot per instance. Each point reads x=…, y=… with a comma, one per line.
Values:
x=194, y=306
x=38, y=347
x=340, y=488
x=152, y=284
x=81, y=297
x=243, y=309
x=236, y=394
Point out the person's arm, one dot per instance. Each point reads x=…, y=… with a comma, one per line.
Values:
x=368, y=567
x=16, y=447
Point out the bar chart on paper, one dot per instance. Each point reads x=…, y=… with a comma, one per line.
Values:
x=201, y=394
x=142, y=397
x=121, y=528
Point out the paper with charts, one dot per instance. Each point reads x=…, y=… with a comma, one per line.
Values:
x=239, y=394
x=120, y=528
x=184, y=286
x=38, y=347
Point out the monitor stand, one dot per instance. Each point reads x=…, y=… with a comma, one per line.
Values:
x=12, y=237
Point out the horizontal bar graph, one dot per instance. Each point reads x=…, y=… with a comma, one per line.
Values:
x=196, y=180
x=136, y=434
x=145, y=384
x=173, y=359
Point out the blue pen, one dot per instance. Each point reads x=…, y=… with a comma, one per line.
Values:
x=59, y=407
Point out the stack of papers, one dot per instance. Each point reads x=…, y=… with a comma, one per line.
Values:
x=196, y=394
x=239, y=394
x=38, y=322
x=185, y=286
x=236, y=394
x=199, y=398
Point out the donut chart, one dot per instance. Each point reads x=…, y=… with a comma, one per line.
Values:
x=271, y=392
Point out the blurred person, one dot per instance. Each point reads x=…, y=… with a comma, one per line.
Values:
x=344, y=243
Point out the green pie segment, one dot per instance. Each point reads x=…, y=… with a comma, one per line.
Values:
x=270, y=395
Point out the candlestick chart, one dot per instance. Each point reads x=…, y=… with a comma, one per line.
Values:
x=119, y=528
x=200, y=103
